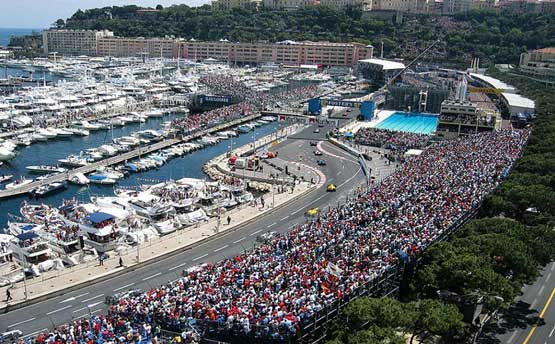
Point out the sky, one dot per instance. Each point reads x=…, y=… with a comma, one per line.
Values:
x=38, y=14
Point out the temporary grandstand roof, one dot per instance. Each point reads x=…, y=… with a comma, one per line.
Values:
x=517, y=100
x=493, y=82
x=386, y=64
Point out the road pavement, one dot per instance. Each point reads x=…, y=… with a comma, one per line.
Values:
x=532, y=318
x=341, y=169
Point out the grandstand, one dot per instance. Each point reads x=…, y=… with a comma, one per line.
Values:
x=279, y=290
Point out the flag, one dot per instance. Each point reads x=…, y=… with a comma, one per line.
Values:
x=333, y=271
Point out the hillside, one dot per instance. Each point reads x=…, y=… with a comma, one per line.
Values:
x=493, y=37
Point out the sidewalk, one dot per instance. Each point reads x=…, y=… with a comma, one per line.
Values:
x=56, y=281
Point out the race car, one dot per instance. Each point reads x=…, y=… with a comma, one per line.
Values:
x=331, y=188
x=321, y=162
x=317, y=153
x=312, y=212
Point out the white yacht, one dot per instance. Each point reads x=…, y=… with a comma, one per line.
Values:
x=78, y=131
x=18, y=183
x=79, y=179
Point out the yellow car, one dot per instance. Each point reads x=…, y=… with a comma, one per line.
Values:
x=331, y=187
x=312, y=212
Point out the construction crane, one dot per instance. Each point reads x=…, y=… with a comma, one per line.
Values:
x=380, y=92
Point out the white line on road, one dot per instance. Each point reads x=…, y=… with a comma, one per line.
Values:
x=92, y=298
x=270, y=225
x=285, y=218
x=93, y=304
x=236, y=241
x=152, y=276
x=348, y=180
x=296, y=211
x=317, y=199
x=221, y=248
x=78, y=310
x=552, y=267
x=255, y=233
x=21, y=322
x=339, y=173
x=177, y=266
x=81, y=295
x=551, y=333
x=548, y=277
x=541, y=289
x=67, y=300
x=59, y=310
x=125, y=286
x=534, y=303
x=200, y=257
x=512, y=337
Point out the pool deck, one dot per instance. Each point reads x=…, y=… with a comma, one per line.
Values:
x=380, y=116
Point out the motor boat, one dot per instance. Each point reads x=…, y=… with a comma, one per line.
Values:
x=108, y=150
x=5, y=178
x=62, y=132
x=6, y=154
x=127, y=141
x=36, y=137
x=155, y=113
x=45, y=169
x=48, y=189
x=46, y=132
x=101, y=179
x=244, y=129
x=73, y=161
x=79, y=131
x=79, y=179
x=18, y=183
x=86, y=125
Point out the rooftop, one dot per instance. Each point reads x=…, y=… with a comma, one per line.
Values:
x=493, y=82
x=386, y=64
x=546, y=50
x=517, y=100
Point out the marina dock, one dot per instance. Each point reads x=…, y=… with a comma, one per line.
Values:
x=124, y=157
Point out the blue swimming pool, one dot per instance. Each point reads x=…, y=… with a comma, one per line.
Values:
x=420, y=123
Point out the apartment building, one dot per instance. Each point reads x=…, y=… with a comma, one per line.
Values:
x=287, y=4
x=72, y=42
x=528, y=6
x=539, y=64
x=395, y=5
x=365, y=4
x=229, y=4
x=148, y=47
x=287, y=52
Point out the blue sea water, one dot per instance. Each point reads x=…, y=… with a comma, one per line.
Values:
x=6, y=33
x=48, y=153
x=419, y=123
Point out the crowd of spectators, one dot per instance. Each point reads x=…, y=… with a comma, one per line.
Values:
x=229, y=85
x=396, y=141
x=272, y=289
x=205, y=120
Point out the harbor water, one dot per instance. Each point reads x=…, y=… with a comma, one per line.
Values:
x=48, y=153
